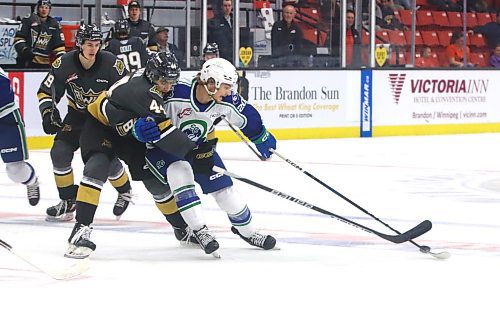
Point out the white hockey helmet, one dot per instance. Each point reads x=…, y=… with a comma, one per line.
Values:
x=220, y=70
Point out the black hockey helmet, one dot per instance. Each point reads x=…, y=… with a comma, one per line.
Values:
x=162, y=66
x=40, y=3
x=88, y=32
x=43, y=2
x=122, y=29
x=211, y=48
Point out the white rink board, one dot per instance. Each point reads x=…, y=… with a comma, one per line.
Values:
x=435, y=97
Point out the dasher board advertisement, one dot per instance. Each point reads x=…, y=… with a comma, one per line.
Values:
x=305, y=99
x=436, y=97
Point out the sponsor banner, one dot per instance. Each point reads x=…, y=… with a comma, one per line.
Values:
x=305, y=99
x=7, y=52
x=435, y=97
x=366, y=103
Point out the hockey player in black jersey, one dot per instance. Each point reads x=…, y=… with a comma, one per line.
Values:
x=82, y=74
x=40, y=34
x=139, y=27
x=129, y=49
x=133, y=106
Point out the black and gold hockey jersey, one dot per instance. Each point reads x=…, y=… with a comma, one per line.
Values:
x=144, y=30
x=134, y=97
x=131, y=51
x=40, y=38
x=82, y=86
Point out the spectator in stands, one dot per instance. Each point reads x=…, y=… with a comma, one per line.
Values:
x=353, y=41
x=426, y=59
x=392, y=4
x=220, y=30
x=446, y=5
x=491, y=32
x=495, y=57
x=164, y=45
x=139, y=27
x=455, y=51
x=477, y=6
x=286, y=35
x=386, y=19
x=40, y=35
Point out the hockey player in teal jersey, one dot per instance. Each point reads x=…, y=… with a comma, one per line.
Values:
x=192, y=108
x=13, y=146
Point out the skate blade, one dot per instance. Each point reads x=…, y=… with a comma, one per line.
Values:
x=78, y=252
x=216, y=254
x=62, y=218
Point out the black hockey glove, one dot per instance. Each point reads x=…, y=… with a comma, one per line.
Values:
x=51, y=121
x=27, y=54
x=202, y=157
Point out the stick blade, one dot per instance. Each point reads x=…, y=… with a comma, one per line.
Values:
x=440, y=255
x=72, y=271
x=422, y=228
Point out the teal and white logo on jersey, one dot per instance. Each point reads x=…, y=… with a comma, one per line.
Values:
x=195, y=129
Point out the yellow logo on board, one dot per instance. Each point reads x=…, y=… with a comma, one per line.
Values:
x=246, y=54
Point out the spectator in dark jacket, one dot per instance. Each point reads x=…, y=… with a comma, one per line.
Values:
x=164, y=45
x=286, y=36
x=220, y=30
x=388, y=19
x=139, y=27
x=491, y=32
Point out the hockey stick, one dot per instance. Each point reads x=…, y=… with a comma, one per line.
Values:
x=423, y=248
x=65, y=274
x=417, y=231
x=239, y=136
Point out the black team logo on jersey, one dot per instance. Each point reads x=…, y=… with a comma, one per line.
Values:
x=119, y=66
x=107, y=143
x=40, y=40
x=83, y=98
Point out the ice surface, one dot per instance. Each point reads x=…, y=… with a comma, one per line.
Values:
x=324, y=266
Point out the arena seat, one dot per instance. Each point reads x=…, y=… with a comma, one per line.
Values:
x=483, y=18
x=418, y=38
x=455, y=19
x=440, y=18
x=397, y=38
x=430, y=38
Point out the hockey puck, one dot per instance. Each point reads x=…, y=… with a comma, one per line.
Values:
x=425, y=249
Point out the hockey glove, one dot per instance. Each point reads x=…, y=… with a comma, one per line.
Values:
x=146, y=129
x=27, y=54
x=51, y=121
x=202, y=157
x=263, y=142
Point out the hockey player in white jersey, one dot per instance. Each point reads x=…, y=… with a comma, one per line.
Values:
x=13, y=146
x=193, y=107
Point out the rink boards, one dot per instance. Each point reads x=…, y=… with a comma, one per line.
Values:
x=341, y=103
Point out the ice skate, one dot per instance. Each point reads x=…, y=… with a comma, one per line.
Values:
x=185, y=236
x=258, y=240
x=80, y=245
x=33, y=193
x=122, y=203
x=207, y=241
x=63, y=211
